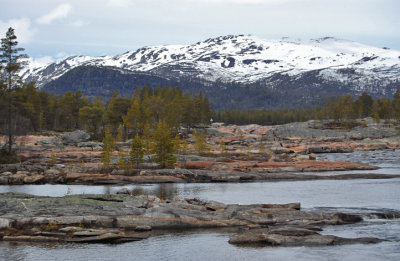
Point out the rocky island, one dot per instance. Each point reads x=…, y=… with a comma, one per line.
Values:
x=122, y=218
x=249, y=153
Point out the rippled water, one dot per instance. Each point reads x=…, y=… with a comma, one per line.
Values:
x=360, y=196
x=205, y=246
x=388, y=161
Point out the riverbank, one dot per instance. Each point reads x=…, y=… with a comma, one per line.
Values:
x=122, y=218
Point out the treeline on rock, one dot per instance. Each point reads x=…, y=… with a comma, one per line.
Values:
x=34, y=111
x=343, y=110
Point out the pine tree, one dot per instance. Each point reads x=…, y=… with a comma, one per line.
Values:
x=121, y=154
x=364, y=103
x=66, y=117
x=120, y=133
x=137, y=151
x=383, y=107
x=396, y=105
x=10, y=62
x=108, y=148
x=117, y=108
x=121, y=162
x=132, y=119
x=188, y=111
x=92, y=117
x=200, y=142
x=183, y=149
x=177, y=143
x=163, y=145
x=147, y=139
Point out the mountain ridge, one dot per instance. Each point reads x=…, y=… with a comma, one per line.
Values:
x=238, y=60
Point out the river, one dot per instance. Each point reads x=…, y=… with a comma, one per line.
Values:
x=354, y=196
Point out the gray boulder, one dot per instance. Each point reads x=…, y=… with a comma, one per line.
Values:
x=216, y=133
x=124, y=191
x=75, y=137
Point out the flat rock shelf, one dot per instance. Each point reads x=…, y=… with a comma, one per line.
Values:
x=123, y=218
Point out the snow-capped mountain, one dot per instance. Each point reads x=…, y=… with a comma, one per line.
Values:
x=248, y=60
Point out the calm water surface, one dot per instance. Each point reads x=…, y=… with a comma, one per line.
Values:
x=357, y=196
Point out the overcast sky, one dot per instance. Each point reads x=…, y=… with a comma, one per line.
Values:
x=56, y=28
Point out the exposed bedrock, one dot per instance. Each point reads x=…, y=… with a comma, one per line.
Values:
x=122, y=218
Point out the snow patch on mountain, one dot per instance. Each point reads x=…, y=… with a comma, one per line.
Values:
x=243, y=59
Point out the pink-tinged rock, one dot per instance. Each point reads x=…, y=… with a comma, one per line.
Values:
x=34, y=179
x=196, y=165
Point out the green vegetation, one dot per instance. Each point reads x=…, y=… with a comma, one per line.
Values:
x=151, y=116
x=200, y=143
x=34, y=110
x=163, y=145
x=137, y=151
x=108, y=148
x=343, y=110
x=10, y=64
x=52, y=226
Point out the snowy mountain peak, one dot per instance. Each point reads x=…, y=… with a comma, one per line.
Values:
x=242, y=59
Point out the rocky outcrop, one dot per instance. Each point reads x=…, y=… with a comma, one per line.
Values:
x=311, y=129
x=75, y=137
x=77, y=235
x=246, y=153
x=194, y=172
x=122, y=218
x=294, y=236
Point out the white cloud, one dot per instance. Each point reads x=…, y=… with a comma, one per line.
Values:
x=79, y=23
x=22, y=27
x=251, y=1
x=60, y=12
x=124, y=3
x=119, y=3
x=127, y=3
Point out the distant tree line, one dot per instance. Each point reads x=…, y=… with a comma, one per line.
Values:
x=34, y=110
x=342, y=109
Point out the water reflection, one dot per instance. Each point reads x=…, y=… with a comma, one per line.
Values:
x=382, y=193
